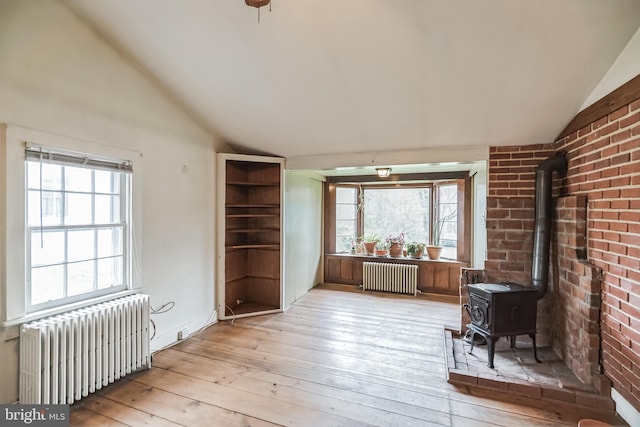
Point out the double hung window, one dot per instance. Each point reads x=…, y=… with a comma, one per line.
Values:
x=78, y=227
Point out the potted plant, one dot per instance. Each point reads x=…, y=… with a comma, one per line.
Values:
x=382, y=249
x=434, y=250
x=415, y=249
x=370, y=242
x=396, y=244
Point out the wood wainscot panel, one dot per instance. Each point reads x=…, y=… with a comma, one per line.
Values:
x=439, y=277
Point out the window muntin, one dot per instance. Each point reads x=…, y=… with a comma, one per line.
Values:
x=77, y=243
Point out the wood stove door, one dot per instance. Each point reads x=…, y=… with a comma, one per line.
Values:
x=480, y=312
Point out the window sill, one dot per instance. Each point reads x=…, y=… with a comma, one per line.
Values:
x=400, y=258
x=37, y=315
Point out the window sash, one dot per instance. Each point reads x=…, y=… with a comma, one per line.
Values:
x=121, y=222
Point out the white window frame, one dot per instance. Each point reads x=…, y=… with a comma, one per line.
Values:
x=13, y=140
x=38, y=156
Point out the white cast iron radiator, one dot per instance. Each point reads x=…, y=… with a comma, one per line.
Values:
x=383, y=276
x=65, y=357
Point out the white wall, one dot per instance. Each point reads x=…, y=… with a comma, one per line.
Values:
x=626, y=67
x=479, y=214
x=303, y=234
x=59, y=77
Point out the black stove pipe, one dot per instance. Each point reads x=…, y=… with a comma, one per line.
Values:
x=544, y=215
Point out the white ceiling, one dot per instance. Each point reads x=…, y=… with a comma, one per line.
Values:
x=339, y=76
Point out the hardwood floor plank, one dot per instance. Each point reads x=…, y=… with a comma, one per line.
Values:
x=426, y=396
x=416, y=355
x=248, y=403
x=81, y=416
x=125, y=414
x=334, y=358
x=324, y=360
x=309, y=395
x=176, y=408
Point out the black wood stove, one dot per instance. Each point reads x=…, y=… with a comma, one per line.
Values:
x=502, y=310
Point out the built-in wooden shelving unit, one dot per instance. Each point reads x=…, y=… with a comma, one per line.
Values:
x=250, y=257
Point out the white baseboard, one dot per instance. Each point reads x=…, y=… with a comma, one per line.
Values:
x=630, y=414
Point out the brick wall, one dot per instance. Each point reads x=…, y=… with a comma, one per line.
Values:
x=510, y=221
x=604, y=169
x=576, y=305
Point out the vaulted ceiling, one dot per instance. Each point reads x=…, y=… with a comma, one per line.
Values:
x=340, y=76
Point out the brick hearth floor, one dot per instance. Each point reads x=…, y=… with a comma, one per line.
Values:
x=517, y=372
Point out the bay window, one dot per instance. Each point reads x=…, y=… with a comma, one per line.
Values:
x=430, y=212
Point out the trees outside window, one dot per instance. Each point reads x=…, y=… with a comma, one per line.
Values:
x=391, y=211
x=423, y=212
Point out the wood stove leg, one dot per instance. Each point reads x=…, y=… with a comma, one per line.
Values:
x=512, y=341
x=491, y=341
x=535, y=350
x=473, y=340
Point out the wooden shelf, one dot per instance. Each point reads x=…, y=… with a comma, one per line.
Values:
x=254, y=276
x=252, y=230
x=252, y=205
x=251, y=215
x=249, y=307
x=252, y=184
x=255, y=246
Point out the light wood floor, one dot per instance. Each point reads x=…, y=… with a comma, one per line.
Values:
x=333, y=359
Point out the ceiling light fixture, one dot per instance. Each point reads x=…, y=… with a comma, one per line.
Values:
x=258, y=4
x=383, y=172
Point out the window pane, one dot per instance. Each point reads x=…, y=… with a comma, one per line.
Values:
x=448, y=193
x=346, y=212
x=51, y=208
x=109, y=242
x=110, y=272
x=47, y=283
x=81, y=245
x=346, y=195
x=345, y=234
x=107, y=209
x=107, y=182
x=51, y=176
x=390, y=211
x=77, y=179
x=448, y=220
x=346, y=218
x=80, y=277
x=33, y=175
x=78, y=209
x=49, y=250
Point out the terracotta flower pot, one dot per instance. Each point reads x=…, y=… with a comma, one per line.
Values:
x=395, y=250
x=370, y=247
x=381, y=252
x=418, y=254
x=434, y=252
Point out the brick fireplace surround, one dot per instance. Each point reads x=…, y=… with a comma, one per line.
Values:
x=591, y=313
